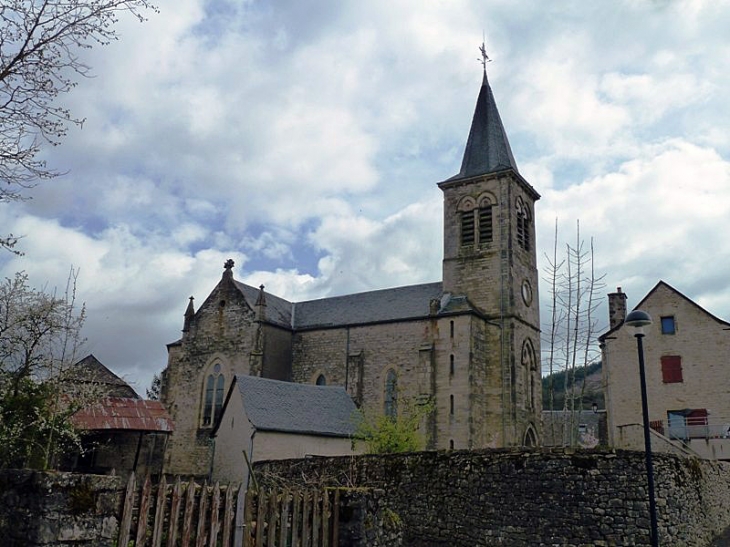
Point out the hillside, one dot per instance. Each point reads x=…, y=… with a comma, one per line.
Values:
x=592, y=375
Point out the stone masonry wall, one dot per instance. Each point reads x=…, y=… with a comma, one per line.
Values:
x=532, y=498
x=59, y=509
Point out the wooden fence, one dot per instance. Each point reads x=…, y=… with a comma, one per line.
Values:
x=187, y=514
x=292, y=518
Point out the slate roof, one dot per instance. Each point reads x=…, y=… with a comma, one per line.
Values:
x=383, y=305
x=487, y=148
x=272, y=405
x=124, y=413
x=396, y=304
x=278, y=310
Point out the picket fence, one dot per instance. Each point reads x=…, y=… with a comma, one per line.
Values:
x=188, y=514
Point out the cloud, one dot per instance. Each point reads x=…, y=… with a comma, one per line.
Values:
x=305, y=142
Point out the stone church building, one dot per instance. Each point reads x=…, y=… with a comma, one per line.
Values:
x=470, y=343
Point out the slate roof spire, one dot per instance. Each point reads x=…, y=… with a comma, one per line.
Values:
x=487, y=149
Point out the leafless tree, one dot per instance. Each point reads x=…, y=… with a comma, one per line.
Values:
x=40, y=46
x=570, y=344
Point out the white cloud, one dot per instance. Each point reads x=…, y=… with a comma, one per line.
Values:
x=305, y=141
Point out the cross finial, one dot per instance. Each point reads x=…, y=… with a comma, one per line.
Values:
x=485, y=58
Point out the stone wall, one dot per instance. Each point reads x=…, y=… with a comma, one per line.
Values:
x=59, y=509
x=532, y=498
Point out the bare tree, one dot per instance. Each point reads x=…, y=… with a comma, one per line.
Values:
x=40, y=337
x=40, y=43
x=570, y=346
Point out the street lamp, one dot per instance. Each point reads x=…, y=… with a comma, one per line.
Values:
x=639, y=319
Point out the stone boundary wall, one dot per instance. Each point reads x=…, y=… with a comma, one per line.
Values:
x=531, y=498
x=59, y=509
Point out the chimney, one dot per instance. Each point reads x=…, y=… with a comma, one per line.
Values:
x=616, y=308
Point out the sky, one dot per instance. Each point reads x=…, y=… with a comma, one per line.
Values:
x=305, y=141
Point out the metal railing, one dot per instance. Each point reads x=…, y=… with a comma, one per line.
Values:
x=709, y=427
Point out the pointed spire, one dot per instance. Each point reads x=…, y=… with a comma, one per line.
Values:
x=189, y=313
x=487, y=149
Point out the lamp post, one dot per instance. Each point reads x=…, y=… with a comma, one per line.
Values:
x=639, y=319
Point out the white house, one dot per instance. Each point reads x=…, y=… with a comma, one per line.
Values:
x=266, y=419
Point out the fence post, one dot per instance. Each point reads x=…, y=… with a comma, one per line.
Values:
x=126, y=521
x=144, y=509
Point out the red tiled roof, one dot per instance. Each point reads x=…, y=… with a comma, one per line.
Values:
x=125, y=414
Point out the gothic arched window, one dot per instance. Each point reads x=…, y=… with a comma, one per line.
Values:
x=213, y=398
x=523, y=224
x=321, y=380
x=529, y=364
x=390, y=406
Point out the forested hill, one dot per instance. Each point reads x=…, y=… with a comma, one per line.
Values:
x=593, y=388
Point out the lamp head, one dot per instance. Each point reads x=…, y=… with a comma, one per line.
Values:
x=638, y=319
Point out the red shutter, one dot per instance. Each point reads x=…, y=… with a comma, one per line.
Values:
x=671, y=369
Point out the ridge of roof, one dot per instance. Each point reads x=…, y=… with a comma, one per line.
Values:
x=662, y=283
x=487, y=148
x=380, y=305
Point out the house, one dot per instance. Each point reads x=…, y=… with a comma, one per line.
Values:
x=686, y=352
x=468, y=344
x=266, y=419
x=120, y=432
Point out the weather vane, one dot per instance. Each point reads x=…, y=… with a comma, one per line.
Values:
x=485, y=58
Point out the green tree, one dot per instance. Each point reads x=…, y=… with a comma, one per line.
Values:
x=401, y=432
x=40, y=335
x=40, y=44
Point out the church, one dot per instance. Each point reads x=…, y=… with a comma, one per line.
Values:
x=468, y=344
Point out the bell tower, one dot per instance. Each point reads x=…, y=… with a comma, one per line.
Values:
x=490, y=259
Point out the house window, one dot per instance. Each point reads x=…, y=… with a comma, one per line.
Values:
x=451, y=364
x=451, y=327
x=671, y=369
x=390, y=407
x=668, y=326
x=321, y=380
x=213, y=400
x=451, y=405
x=523, y=224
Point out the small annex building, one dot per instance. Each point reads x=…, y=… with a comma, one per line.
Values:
x=120, y=432
x=266, y=419
x=687, y=377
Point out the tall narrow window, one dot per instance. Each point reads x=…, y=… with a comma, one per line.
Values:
x=529, y=364
x=451, y=364
x=213, y=398
x=451, y=405
x=451, y=328
x=485, y=223
x=523, y=224
x=468, y=232
x=390, y=407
